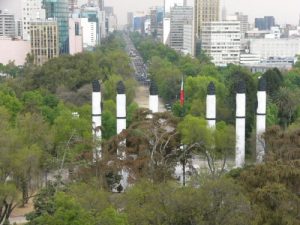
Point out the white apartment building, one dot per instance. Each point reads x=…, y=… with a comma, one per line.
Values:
x=243, y=21
x=147, y=26
x=94, y=15
x=7, y=25
x=112, y=23
x=266, y=48
x=31, y=11
x=188, y=39
x=168, y=4
x=89, y=31
x=222, y=41
x=180, y=16
x=166, y=30
x=248, y=59
x=274, y=33
x=24, y=12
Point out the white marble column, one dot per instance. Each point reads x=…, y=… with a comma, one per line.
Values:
x=121, y=107
x=96, y=119
x=211, y=105
x=261, y=120
x=240, y=125
x=121, y=125
x=153, y=98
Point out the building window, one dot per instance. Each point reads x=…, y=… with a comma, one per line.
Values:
x=76, y=28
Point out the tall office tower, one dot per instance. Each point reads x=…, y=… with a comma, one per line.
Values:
x=243, y=21
x=7, y=25
x=224, y=13
x=24, y=12
x=130, y=21
x=109, y=10
x=59, y=10
x=156, y=22
x=31, y=11
x=206, y=11
x=181, y=26
x=265, y=23
x=44, y=40
x=101, y=4
x=94, y=24
x=73, y=4
x=168, y=4
x=111, y=21
x=222, y=41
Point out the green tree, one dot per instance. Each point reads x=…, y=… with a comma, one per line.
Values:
x=111, y=217
x=153, y=142
x=272, y=114
x=274, y=81
x=223, y=202
x=219, y=201
x=292, y=78
x=235, y=76
x=67, y=211
x=287, y=102
x=215, y=144
x=43, y=203
x=196, y=91
x=273, y=187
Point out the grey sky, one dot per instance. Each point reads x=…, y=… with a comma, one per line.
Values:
x=285, y=11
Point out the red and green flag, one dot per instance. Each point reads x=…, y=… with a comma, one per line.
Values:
x=181, y=94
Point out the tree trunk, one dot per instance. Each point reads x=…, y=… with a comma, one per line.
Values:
x=183, y=173
x=24, y=193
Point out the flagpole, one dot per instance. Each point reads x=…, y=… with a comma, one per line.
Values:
x=182, y=98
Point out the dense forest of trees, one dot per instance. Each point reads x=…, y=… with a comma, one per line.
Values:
x=45, y=119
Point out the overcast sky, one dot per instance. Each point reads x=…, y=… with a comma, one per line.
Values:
x=285, y=11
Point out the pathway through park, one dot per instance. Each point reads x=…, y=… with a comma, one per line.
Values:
x=142, y=98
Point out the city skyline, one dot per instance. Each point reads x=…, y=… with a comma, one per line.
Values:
x=258, y=8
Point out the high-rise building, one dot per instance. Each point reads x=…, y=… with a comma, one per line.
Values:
x=168, y=4
x=96, y=18
x=7, y=25
x=181, y=17
x=265, y=23
x=90, y=37
x=101, y=4
x=112, y=23
x=156, y=18
x=109, y=10
x=130, y=21
x=31, y=11
x=166, y=30
x=206, y=11
x=243, y=21
x=44, y=40
x=283, y=47
x=73, y=4
x=24, y=12
x=59, y=10
x=111, y=19
x=138, y=24
x=188, y=39
x=75, y=36
x=222, y=41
